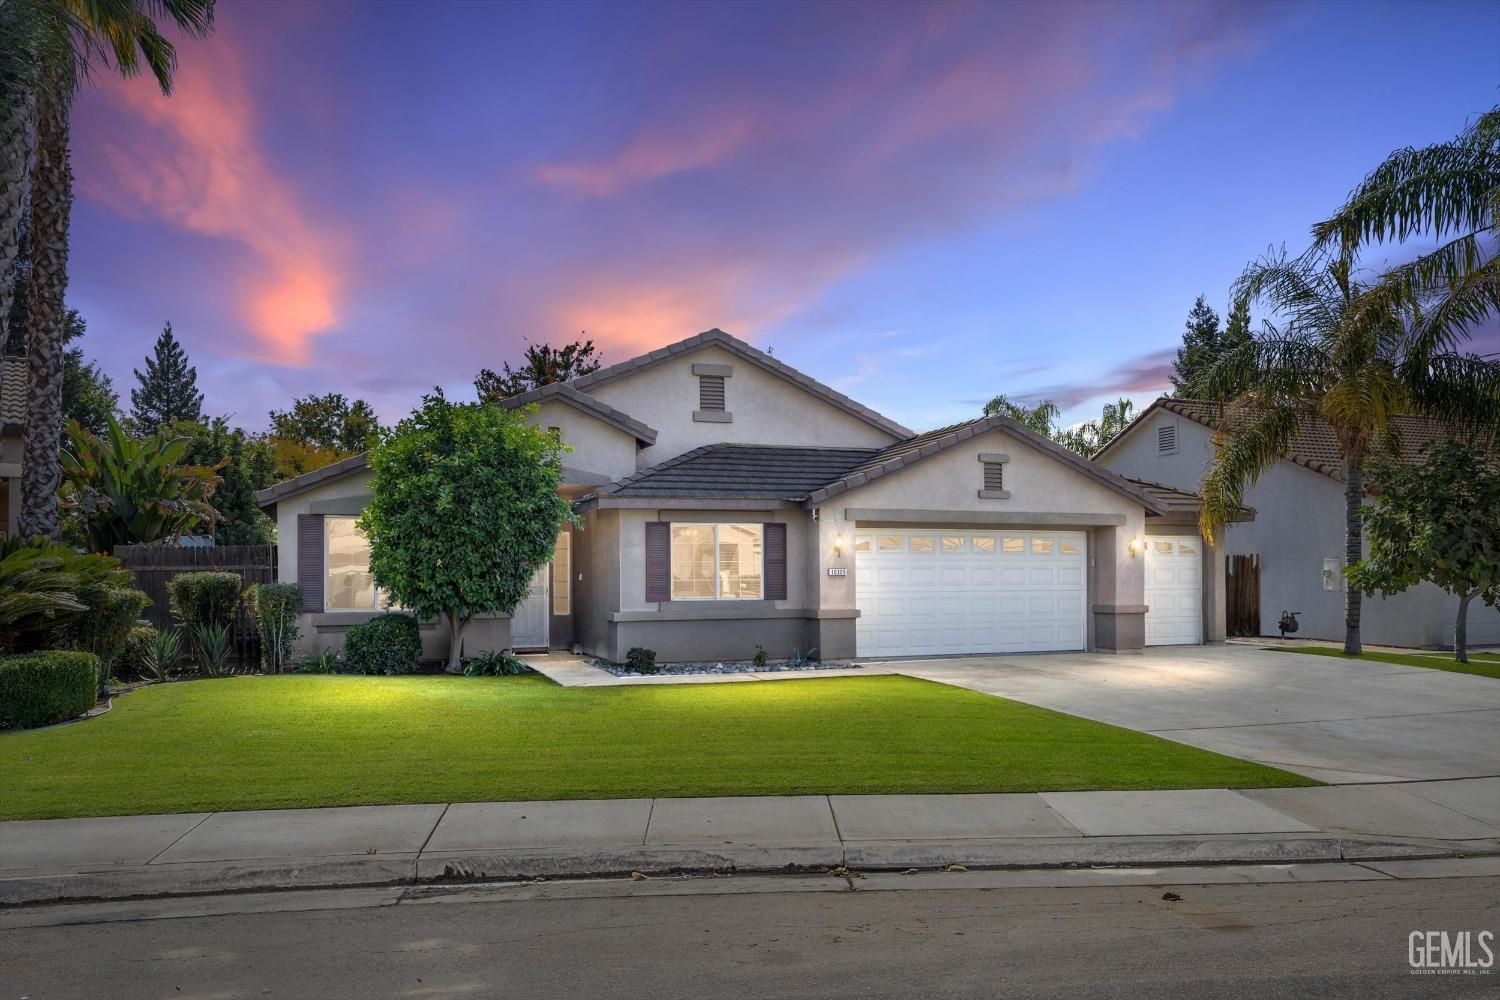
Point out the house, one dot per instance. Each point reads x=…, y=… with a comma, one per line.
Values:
x=12, y=437
x=1298, y=530
x=729, y=501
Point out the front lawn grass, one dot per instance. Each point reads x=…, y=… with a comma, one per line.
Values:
x=277, y=742
x=1480, y=664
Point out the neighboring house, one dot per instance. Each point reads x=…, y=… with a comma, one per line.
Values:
x=729, y=501
x=12, y=437
x=1298, y=531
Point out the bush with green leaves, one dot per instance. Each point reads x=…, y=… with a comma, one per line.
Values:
x=641, y=660
x=274, y=608
x=494, y=663
x=131, y=663
x=38, y=689
x=463, y=511
x=39, y=585
x=326, y=662
x=386, y=644
x=104, y=626
x=210, y=598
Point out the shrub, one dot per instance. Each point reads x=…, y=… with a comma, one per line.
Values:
x=105, y=626
x=214, y=643
x=326, y=662
x=38, y=689
x=205, y=598
x=386, y=644
x=39, y=581
x=136, y=651
x=641, y=660
x=494, y=664
x=162, y=654
x=274, y=608
x=760, y=658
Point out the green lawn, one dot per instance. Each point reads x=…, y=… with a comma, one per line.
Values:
x=269, y=742
x=1480, y=664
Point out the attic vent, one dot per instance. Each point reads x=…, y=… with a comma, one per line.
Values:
x=710, y=392
x=1166, y=439
x=994, y=476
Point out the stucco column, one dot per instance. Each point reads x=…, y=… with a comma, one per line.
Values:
x=1214, y=613
x=1118, y=602
x=831, y=597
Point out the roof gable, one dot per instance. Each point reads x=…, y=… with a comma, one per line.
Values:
x=752, y=355
x=563, y=392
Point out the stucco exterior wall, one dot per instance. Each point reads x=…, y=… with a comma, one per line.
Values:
x=1044, y=492
x=601, y=452
x=1299, y=523
x=766, y=409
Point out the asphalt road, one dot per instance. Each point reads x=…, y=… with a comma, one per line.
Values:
x=1315, y=940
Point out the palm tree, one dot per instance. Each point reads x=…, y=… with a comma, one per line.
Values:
x=1041, y=418
x=70, y=36
x=1091, y=435
x=1339, y=357
x=1449, y=193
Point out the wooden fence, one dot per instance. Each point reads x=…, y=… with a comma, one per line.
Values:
x=154, y=566
x=1242, y=595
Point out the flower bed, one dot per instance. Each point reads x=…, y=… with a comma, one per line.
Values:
x=722, y=667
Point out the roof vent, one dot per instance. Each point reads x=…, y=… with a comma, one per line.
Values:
x=1166, y=439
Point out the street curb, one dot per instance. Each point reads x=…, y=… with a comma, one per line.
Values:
x=22, y=888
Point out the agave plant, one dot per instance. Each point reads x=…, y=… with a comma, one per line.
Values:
x=122, y=490
x=213, y=644
x=163, y=653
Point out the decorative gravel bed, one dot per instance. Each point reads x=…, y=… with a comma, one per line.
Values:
x=721, y=667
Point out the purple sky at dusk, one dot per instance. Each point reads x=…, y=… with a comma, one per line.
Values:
x=921, y=205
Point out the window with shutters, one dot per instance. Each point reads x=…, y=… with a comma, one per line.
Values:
x=711, y=393
x=1166, y=439
x=723, y=562
x=348, y=584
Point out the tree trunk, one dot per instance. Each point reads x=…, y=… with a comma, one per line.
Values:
x=1461, y=629
x=51, y=204
x=15, y=151
x=1354, y=495
x=456, y=626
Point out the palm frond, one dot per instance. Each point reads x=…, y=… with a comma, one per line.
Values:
x=1256, y=433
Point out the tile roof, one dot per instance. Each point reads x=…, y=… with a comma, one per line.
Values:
x=753, y=355
x=741, y=471
x=13, y=390
x=301, y=484
x=1314, y=446
x=1175, y=501
x=563, y=392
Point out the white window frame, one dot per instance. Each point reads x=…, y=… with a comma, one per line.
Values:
x=377, y=606
x=718, y=595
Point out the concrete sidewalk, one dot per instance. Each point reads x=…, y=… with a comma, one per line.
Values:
x=117, y=857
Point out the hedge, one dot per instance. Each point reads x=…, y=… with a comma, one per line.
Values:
x=38, y=689
x=204, y=599
x=386, y=644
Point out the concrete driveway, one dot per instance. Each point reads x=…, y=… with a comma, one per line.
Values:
x=1336, y=720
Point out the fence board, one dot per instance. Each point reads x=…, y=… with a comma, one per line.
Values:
x=154, y=566
x=1242, y=595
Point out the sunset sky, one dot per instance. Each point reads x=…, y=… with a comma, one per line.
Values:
x=919, y=205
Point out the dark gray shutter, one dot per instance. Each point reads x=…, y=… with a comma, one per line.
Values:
x=658, y=561
x=775, y=548
x=994, y=476
x=310, y=560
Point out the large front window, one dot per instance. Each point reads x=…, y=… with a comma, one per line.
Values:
x=716, y=562
x=348, y=585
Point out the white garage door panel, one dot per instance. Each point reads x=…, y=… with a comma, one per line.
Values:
x=1174, y=590
x=968, y=592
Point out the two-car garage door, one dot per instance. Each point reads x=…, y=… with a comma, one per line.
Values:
x=936, y=592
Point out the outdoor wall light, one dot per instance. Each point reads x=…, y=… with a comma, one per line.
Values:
x=1136, y=545
x=838, y=543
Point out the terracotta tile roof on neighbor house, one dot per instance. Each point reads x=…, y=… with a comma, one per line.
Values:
x=1179, y=504
x=1314, y=446
x=754, y=356
x=13, y=390
x=741, y=471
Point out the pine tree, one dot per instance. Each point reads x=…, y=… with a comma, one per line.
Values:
x=1201, y=344
x=168, y=389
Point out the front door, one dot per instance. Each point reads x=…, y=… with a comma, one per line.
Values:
x=528, y=626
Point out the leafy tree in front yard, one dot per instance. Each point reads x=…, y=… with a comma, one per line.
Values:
x=1437, y=521
x=541, y=364
x=463, y=511
x=119, y=490
x=246, y=463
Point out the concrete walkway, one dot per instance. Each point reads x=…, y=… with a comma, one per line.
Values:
x=114, y=857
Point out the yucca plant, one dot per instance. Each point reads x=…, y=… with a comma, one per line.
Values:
x=163, y=653
x=122, y=491
x=213, y=644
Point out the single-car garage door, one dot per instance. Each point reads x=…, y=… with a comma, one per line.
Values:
x=935, y=592
x=1174, y=590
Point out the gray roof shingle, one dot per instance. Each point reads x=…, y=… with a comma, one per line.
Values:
x=741, y=471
